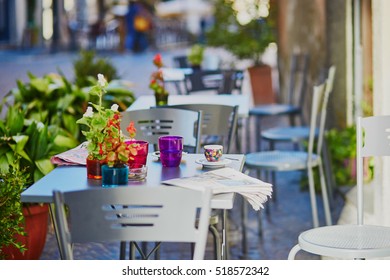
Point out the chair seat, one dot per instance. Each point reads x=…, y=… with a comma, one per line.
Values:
x=274, y=110
x=347, y=241
x=291, y=133
x=279, y=160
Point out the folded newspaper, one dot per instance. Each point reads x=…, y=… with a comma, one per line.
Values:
x=75, y=156
x=226, y=180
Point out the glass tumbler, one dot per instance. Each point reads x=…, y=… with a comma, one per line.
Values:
x=171, y=148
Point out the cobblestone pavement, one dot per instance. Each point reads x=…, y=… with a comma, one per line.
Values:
x=288, y=215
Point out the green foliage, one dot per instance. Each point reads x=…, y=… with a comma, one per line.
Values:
x=342, y=150
x=52, y=100
x=12, y=183
x=195, y=56
x=86, y=69
x=31, y=141
x=247, y=41
x=88, y=66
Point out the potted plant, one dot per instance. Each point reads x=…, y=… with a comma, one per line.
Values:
x=12, y=183
x=195, y=56
x=157, y=82
x=26, y=146
x=86, y=69
x=246, y=33
x=106, y=144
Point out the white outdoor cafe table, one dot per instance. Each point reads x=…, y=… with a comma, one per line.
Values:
x=74, y=178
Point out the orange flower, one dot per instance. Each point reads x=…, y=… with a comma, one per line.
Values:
x=131, y=130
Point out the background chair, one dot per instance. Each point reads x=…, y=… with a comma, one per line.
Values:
x=231, y=81
x=181, y=61
x=203, y=81
x=158, y=121
x=133, y=214
x=272, y=161
x=359, y=241
x=294, y=160
x=296, y=134
x=219, y=123
x=296, y=94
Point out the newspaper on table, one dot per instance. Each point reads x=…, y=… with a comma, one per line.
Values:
x=226, y=180
x=75, y=156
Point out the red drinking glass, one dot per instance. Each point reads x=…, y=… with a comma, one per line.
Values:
x=142, y=148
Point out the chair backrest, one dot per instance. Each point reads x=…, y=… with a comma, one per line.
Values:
x=298, y=78
x=231, y=81
x=203, y=80
x=162, y=214
x=181, y=61
x=317, y=119
x=328, y=89
x=158, y=121
x=219, y=123
x=373, y=140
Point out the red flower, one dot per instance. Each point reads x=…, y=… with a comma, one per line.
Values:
x=157, y=60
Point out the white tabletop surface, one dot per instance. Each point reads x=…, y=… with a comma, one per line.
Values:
x=243, y=102
x=71, y=178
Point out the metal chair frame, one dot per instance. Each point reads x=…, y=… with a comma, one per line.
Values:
x=158, y=121
x=163, y=214
x=354, y=241
x=219, y=123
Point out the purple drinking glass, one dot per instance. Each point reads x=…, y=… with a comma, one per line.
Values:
x=171, y=148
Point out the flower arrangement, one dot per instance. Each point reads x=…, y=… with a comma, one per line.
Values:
x=105, y=138
x=157, y=81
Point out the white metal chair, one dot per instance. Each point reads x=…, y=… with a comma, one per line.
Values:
x=354, y=241
x=275, y=160
x=219, y=123
x=295, y=160
x=162, y=214
x=158, y=121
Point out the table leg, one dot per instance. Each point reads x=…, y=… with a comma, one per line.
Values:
x=53, y=220
x=225, y=242
x=122, y=250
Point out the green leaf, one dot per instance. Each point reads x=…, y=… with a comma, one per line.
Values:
x=44, y=166
x=40, y=84
x=65, y=142
x=15, y=120
x=21, y=141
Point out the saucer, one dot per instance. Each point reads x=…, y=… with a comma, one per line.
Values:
x=213, y=164
x=157, y=154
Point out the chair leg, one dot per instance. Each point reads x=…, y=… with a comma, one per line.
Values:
x=217, y=242
x=258, y=133
x=293, y=252
x=244, y=223
x=313, y=201
x=260, y=224
x=325, y=198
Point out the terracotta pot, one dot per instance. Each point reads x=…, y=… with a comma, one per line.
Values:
x=261, y=83
x=36, y=217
